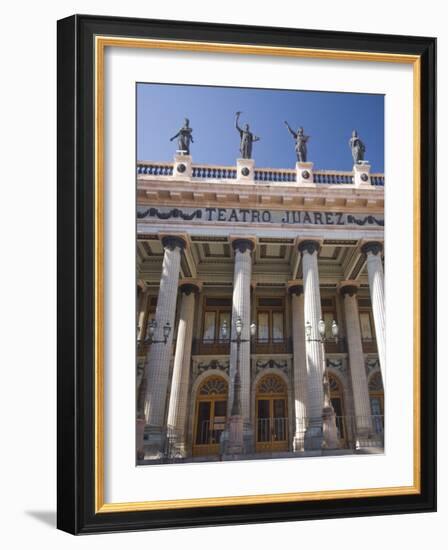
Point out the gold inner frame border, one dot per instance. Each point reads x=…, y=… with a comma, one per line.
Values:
x=100, y=44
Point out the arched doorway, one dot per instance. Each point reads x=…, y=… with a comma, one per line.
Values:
x=337, y=400
x=376, y=395
x=210, y=416
x=271, y=408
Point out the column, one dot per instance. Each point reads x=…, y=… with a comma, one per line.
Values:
x=142, y=320
x=314, y=348
x=159, y=355
x=299, y=366
x=241, y=308
x=177, y=410
x=357, y=363
x=373, y=251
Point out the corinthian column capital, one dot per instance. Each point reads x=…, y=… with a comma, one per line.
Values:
x=374, y=247
x=309, y=246
x=241, y=245
x=173, y=241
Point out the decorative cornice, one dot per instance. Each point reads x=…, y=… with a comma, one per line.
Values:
x=173, y=241
x=374, y=247
x=348, y=290
x=309, y=246
x=242, y=245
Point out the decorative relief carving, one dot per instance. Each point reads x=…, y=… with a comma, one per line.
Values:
x=215, y=364
x=174, y=213
x=260, y=365
x=371, y=365
x=362, y=221
x=337, y=364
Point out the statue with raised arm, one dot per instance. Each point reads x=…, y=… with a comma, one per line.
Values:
x=185, y=137
x=247, y=138
x=357, y=146
x=301, y=140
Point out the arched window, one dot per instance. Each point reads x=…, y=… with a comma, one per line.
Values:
x=272, y=414
x=210, y=415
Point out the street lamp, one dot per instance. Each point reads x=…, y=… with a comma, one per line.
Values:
x=322, y=331
x=235, y=442
x=166, y=331
x=328, y=413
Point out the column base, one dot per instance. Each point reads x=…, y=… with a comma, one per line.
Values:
x=176, y=446
x=314, y=438
x=237, y=439
x=139, y=435
x=298, y=442
x=155, y=442
x=330, y=430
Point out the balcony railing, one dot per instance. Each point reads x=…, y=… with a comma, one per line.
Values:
x=215, y=346
x=271, y=345
x=211, y=346
x=369, y=345
x=261, y=175
x=336, y=347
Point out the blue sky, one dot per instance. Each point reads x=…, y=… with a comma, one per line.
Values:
x=327, y=117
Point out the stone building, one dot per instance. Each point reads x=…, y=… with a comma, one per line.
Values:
x=221, y=248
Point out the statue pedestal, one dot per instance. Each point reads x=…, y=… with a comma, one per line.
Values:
x=182, y=166
x=245, y=170
x=361, y=175
x=304, y=174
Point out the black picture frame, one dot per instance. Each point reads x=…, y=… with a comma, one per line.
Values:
x=76, y=474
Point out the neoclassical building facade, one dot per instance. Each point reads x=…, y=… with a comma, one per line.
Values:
x=260, y=311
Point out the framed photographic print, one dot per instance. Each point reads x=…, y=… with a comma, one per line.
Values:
x=246, y=268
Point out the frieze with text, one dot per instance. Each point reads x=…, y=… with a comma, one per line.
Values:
x=247, y=215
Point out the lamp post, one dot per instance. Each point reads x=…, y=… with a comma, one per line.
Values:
x=149, y=339
x=235, y=443
x=152, y=329
x=330, y=430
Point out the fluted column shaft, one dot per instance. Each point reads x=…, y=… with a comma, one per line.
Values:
x=299, y=365
x=241, y=308
x=314, y=347
x=143, y=309
x=357, y=363
x=177, y=410
x=376, y=283
x=158, y=359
